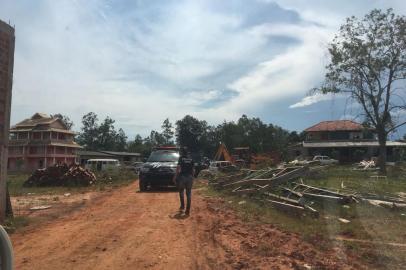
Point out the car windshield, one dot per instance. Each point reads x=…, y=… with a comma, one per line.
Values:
x=163, y=156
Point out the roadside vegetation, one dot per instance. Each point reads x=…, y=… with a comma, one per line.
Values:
x=374, y=234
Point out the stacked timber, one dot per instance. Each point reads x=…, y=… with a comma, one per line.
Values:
x=61, y=175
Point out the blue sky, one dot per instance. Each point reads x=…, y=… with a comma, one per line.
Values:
x=143, y=61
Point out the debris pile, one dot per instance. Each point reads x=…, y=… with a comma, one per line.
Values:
x=284, y=189
x=366, y=164
x=61, y=175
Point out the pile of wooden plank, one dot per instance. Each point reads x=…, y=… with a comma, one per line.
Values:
x=78, y=176
x=279, y=188
x=61, y=175
x=252, y=181
x=273, y=186
x=310, y=193
x=366, y=165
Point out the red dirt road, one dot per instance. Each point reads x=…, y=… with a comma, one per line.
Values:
x=125, y=229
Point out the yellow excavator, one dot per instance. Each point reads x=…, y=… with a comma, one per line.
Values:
x=223, y=154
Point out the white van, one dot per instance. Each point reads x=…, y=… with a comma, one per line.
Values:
x=102, y=164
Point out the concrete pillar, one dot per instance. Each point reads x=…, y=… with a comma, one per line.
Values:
x=45, y=155
x=54, y=154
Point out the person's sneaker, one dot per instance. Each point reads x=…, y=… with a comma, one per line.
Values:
x=181, y=209
x=187, y=213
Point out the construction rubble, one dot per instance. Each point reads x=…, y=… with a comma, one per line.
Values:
x=61, y=175
x=366, y=165
x=283, y=189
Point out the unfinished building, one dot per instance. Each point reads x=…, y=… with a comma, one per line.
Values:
x=39, y=142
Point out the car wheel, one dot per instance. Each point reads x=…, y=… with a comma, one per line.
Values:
x=143, y=185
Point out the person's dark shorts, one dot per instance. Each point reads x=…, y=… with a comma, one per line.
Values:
x=185, y=181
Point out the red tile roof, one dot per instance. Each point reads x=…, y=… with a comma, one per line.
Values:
x=343, y=125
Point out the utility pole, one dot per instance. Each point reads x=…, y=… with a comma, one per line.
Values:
x=7, y=42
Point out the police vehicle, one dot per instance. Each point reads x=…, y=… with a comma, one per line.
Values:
x=160, y=168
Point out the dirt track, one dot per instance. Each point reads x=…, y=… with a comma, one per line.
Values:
x=125, y=229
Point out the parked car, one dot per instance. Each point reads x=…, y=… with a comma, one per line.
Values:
x=102, y=164
x=215, y=166
x=325, y=160
x=160, y=168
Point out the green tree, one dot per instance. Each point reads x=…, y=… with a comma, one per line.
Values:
x=156, y=139
x=136, y=146
x=121, y=141
x=101, y=137
x=190, y=132
x=65, y=119
x=253, y=133
x=209, y=141
x=167, y=132
x=140, y=145
x=232, y=135
x=368, y=63
x=107, y=135
x=294, y=137
x=88, y=137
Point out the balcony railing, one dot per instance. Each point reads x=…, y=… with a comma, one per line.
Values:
x=42, y=155
x=38, y=141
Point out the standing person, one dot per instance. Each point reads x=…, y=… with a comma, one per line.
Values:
x=184, y=179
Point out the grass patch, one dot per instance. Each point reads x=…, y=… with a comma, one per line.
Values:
x=15, y=223
x=359, y=181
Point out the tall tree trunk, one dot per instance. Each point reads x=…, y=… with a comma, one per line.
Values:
x=9, y=208
x=382, y=153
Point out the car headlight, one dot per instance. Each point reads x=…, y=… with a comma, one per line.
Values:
x=144, y=170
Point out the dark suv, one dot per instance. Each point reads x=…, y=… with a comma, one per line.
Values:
x=160, y=168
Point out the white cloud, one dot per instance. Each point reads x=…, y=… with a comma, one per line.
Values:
x=309, y=100
x=293, y=72
x=141, y=62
